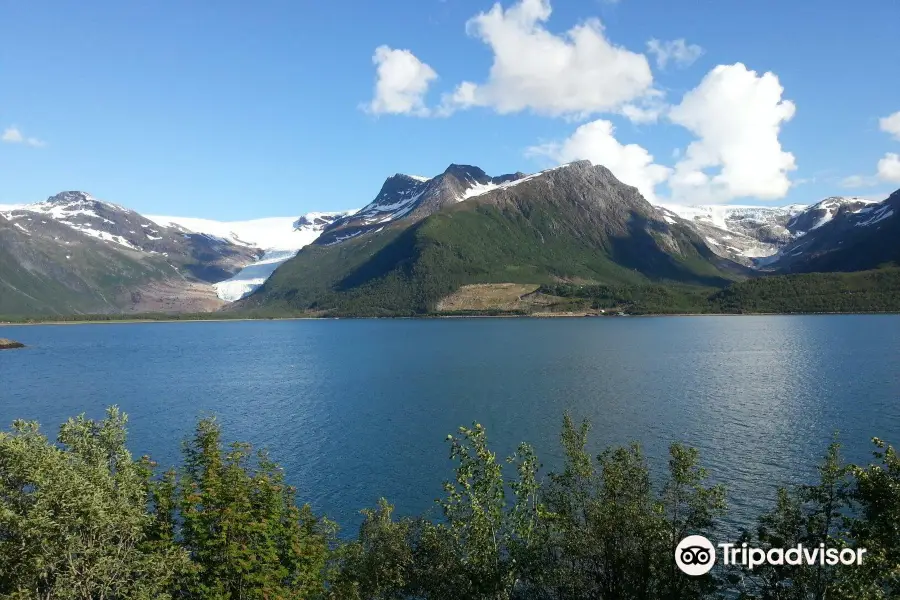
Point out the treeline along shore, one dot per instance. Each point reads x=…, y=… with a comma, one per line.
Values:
x=876, y=291
x=80, y=517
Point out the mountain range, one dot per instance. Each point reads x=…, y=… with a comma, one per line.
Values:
x=420, y=242
x=75, y=254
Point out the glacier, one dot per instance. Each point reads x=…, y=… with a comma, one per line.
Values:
x=279, y=238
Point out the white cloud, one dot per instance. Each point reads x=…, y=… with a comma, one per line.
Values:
x=859, y=181
x=891, y=124
x=646, y=110
x=889, y=167
x=12, y=135
x=596, y=142
x=402, y=82
x=679, y=52
x=737, y=116
x=575, y=74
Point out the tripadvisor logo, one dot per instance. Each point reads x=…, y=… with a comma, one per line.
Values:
x=695, y=555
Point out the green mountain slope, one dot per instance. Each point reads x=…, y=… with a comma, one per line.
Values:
x=576, y=223
x=41, y=276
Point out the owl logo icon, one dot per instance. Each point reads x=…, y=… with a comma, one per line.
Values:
x=695, y=555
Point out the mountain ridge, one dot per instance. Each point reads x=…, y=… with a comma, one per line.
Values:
x=407, y=199
x=567, y=223
x=74, y=253
x=573, y=221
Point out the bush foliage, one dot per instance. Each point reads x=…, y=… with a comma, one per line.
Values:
x=81, y=519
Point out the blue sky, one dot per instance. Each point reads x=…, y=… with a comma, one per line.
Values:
x=235, y=110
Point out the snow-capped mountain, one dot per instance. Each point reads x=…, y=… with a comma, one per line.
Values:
x=99, y=256
x=206, y=258
x=279, y=238
x=74, y=253
x=822, y=212
x=851, y=235
x=757, y=235
x=411, y=198
x=92, y=217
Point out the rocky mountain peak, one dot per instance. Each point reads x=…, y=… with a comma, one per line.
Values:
x=508, y=177
x=467, y=173
x=585, y=164
x=317, y=220
x=70, y=197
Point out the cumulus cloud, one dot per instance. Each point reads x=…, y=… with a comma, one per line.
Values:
x=891, y=125
x=596, y=142
x=12, y=135
x=574, y=74
x=678, y=52
x=402, y=80
x=889, y=167
x=736, y=115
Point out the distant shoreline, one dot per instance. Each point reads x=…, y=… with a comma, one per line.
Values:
x=426, y=317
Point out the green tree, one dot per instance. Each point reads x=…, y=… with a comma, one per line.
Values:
x=691, y=507
x=876, y=494
x=605, y=532
x=475, y=552
x=483, y=531
x=74, y=522
x=238, y=519
x=380, y=564
x=809, y=515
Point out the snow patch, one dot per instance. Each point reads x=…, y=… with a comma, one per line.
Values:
x=879, y=215
x=478, y=189
x=106, y=237
x=759, y=251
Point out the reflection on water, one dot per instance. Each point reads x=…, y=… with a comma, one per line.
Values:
x=359, y=409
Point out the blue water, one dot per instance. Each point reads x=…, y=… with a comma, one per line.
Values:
x=359, y=409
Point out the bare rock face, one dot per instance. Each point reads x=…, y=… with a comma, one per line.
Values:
x=6, y=344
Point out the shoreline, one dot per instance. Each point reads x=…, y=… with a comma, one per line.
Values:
x=436, y=316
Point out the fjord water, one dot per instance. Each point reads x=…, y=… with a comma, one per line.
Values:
x=358, y=409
